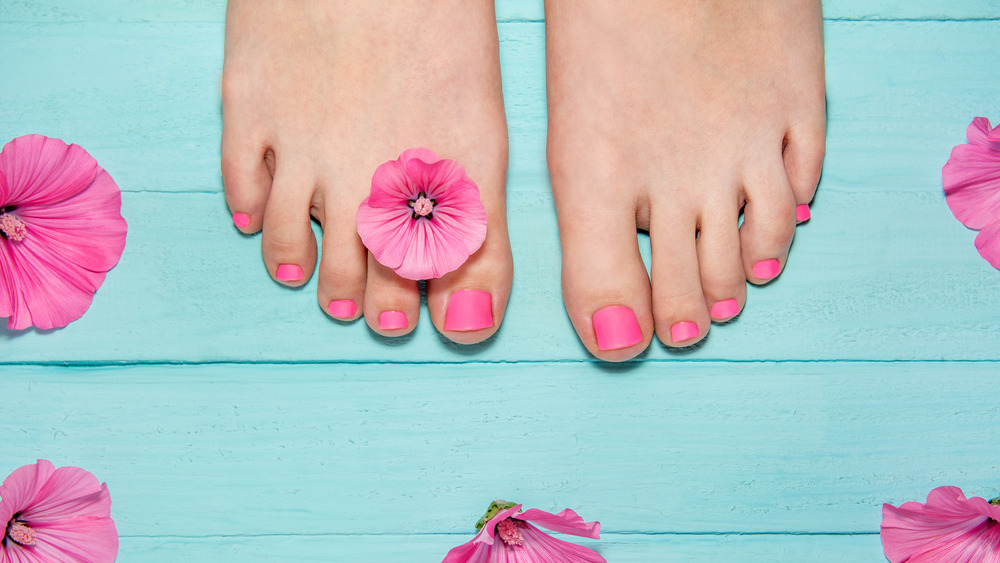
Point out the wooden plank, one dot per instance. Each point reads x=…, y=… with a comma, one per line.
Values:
x=810, y=447
x=406, y=549
x=506, y=10
x=873, y=276
x=900, y=96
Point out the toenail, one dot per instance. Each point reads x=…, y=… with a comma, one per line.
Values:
x=684, y=330
x=616, y=327
x=766, y=269
x=241, y=220
x=342, y=308
x=288, y=273
x=802, y=213
x=469, y=309
x=393, y=320
x=725, y=309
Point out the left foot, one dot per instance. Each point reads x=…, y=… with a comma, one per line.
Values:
x=671, y=116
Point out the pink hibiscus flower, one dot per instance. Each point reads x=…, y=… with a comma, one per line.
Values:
x=54, y=514
x=423, y=217
x=521, y=542
x=61, y=230
x=971, y=181
x=948, y=528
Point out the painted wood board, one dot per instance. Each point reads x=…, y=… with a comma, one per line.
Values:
x=785, y=448
x=873, y=276
x=408, y=548
x=900, y=96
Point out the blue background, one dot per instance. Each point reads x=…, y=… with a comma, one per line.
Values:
x=233, y=421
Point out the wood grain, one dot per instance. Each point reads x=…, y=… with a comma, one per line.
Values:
x=233, y=421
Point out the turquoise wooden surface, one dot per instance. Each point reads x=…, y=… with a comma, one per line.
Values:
x=233, y=421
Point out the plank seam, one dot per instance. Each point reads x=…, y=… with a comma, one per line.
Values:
x=606, y=535
x=485, y=363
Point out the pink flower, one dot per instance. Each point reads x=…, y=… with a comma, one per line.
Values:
x=61, y=230
x=423, y=217
x=971, y=181
x=521, y=542
x=948, y=528
x=56, y=515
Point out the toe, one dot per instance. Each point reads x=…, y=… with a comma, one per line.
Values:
x=245, y=177
x=391, y=302
x=605, y=285
x=719, y=263
x=803, y=159
x=344, y=262
x=768, y=224
x=288, y=244
x=467, y=305
x=680, y=313
x=805, y=148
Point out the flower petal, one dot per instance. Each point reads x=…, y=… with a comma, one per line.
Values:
x=386, y=231
x=426, y=155
x=438, y=178
x=41, y=170
x=68, y=492
x=566, y=522
x=20, y=487
x=971, y=180
x=978, y=131
x=539, y=546
x=948, y=527
x=88, y=539
x=988, y=245
x=391, y=187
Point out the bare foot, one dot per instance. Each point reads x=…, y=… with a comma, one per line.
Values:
x=316, y=94
x=671, y=116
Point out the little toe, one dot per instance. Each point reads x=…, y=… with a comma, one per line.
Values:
x=245, y=178
x=467, y=306
x=720, y=265
x=680, y=313
x=391, y=302
x=768, y=225
x=288, y=243
x=803, y=159
x=605, y=285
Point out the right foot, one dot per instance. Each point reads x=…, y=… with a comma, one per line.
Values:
x=316, y=95
x=670, y=116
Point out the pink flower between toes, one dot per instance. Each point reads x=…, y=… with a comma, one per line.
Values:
x=423, y=217
x=506, y=534
x=948, y=528
x=54, y=515
x=61, y=230
x=971, y=181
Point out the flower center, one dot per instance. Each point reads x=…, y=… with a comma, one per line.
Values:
x=508, y=532
x=12, y=228
x=21, y=533
x=422, y=206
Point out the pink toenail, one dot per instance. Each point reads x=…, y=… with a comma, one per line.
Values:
x=616, y=327
x=469, y=309
x=802, y=213
x=684, y=330
x=725, y=309
x=342, y=308
x=288, y=273
x=766, y=269
x=241, y=220
x=394, y=320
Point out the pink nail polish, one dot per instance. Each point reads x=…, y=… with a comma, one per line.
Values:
x=392, y=320
x=766, y=269
x=684, y=330
x=802, y=213
x=241, y=220
x=725, y=309
x=288, y=272
x=616, y=327
x=469, y=309
x=342, y=308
